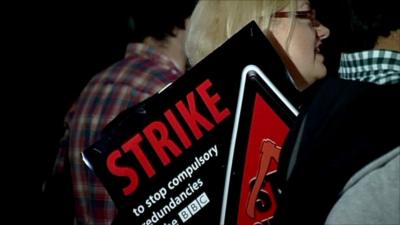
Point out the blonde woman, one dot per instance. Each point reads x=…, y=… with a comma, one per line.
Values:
x=291, y=22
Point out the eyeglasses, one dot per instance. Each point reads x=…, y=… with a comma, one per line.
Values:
x=309, y=14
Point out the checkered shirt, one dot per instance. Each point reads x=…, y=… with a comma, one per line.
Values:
x=375, y=66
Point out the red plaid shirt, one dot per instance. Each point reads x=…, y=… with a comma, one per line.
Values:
x=139, y=75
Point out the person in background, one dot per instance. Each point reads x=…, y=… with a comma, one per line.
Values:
x=371, y=50
x=291, y=23
x=153, y=59
x=340, y=164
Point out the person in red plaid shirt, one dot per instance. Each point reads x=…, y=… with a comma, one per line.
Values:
x=155, y=58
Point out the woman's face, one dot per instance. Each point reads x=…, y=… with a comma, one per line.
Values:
x=303, y=46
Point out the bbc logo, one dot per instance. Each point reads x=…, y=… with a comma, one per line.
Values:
x=194, y=207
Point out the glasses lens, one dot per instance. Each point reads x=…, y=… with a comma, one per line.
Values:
x=311, y=15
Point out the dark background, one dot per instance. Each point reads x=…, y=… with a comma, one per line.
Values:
x=53, y=54
x=72, y=51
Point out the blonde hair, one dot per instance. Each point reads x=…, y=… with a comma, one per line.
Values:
x=215, y=21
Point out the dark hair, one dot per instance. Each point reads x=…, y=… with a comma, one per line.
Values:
x=369, y=19
x=158, y=19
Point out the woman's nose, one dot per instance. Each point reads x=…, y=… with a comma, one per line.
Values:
x=322, y=31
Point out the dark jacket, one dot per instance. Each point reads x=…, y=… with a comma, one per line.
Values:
x=344, y=126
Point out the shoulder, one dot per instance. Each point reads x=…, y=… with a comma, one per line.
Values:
x=347, y=116
x=371, y=196
x=335, y=96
